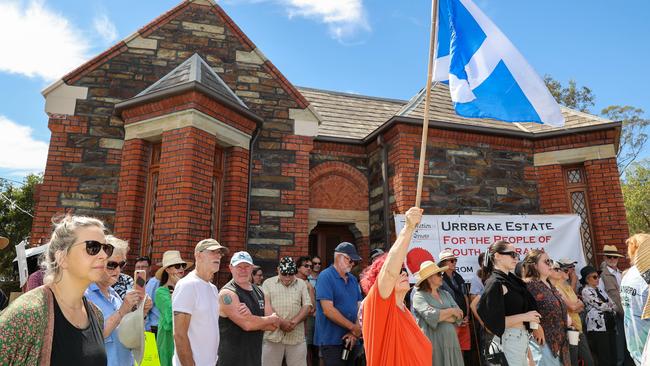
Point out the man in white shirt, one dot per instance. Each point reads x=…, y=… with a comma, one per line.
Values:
x=195, y=303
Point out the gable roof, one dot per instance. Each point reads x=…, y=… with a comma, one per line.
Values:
x=351, y=116
x=348, y=115
x=207, y=5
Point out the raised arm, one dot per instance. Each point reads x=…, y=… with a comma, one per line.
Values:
x=390, y=271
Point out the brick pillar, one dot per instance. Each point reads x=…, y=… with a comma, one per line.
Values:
x=235, y=199
x=607, y=207
x=184, y=202
x=552, y=191
x=131, y=195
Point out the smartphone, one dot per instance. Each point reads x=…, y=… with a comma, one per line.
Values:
x=140, y=280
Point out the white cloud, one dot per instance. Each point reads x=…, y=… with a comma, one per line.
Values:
x=345, y=18
x=18, y=148
x=37, y=41
x=105, y=28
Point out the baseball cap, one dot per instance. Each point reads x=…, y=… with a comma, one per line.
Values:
x=241, y=257
x=349, y=249
x=288, y=266
x=209, y=244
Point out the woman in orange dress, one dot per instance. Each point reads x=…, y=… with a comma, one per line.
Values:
x=391, y=335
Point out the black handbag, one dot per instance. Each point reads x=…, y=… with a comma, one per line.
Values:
x=494, y=355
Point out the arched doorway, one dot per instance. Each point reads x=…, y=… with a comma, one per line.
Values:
x=325, y=237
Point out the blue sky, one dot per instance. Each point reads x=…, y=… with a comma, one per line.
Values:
x=376, y=47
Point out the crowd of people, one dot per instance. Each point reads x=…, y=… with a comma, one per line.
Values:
x=82, y=309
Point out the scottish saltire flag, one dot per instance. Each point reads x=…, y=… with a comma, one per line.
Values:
x=488, y=77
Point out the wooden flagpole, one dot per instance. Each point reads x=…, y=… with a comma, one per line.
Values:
x=425, y=124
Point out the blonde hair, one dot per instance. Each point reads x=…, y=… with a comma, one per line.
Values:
x=121, y=247
x=64, y=235
x=633, y=243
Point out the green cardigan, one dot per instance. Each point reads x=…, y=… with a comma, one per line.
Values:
x=27, y=328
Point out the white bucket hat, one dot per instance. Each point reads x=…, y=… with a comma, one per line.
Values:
x=131, y=332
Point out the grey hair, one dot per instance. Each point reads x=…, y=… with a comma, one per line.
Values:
x=63, y=237
x=121, y=247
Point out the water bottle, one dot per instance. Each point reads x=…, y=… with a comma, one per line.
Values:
x=347, y=349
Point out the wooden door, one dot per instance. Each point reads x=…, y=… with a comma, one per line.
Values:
x=325, y=237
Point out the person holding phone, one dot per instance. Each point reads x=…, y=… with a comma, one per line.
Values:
x=114, y=308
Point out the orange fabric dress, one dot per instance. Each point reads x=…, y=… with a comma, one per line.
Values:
x=391, y=336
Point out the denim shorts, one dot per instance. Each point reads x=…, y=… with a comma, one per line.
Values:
x=514, y=344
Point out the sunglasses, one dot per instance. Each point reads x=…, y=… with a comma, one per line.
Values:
x=350, y=261
x=179, y=265
x=452, y=260
x=306, y=265
x=93, y=247
x=514, y=255
x=611, y=257
x=112, y=265
x=594, y=277
x=316, y=263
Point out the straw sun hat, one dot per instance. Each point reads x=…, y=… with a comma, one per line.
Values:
x=170, y=258
x=3, y=242
x=612, y=251
x=427, y=269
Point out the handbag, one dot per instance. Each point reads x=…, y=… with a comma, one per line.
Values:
x=494, y=355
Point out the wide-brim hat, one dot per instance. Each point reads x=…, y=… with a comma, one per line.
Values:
x=131, y=332
x=446, y=254
x=611, y=251
x=585, y=272
x=3, y=242
x=170, y=258
x=427, y=269
x=642, y=263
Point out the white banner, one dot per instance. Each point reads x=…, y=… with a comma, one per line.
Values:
x=469, y=235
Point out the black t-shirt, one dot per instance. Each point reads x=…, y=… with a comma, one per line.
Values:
x=237, y=346
x=73, y=346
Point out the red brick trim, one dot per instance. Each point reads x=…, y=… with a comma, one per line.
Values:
x=338, y=168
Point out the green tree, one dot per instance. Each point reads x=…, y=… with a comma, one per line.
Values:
x=633, y=134
x=16, y=210
x=636, y=192
x=634, y=125
x=572, y=96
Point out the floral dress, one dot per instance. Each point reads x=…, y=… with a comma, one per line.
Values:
x=554, y=317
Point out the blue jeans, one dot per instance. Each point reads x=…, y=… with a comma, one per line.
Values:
x=542, y=355
x=514, y=344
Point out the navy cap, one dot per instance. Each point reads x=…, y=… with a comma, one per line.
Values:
x=349, y=249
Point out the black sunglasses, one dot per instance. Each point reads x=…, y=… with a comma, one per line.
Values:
x=514, y=255
x=179, y=265
x=611, y=257
x=316, y=263
x=93, y=247
x=307, y=265
x=113, y=264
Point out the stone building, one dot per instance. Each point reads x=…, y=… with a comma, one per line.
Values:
x=185, y=130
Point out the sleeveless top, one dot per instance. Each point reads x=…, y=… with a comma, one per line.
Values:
x=237, y=346
x=74, y=346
